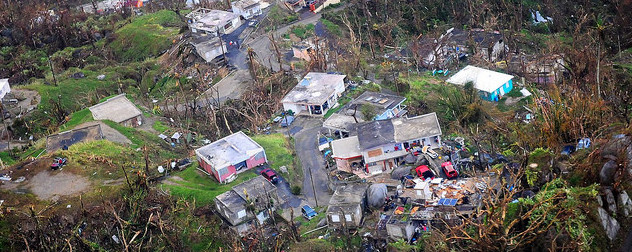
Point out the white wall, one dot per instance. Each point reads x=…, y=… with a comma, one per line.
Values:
x=295, y=108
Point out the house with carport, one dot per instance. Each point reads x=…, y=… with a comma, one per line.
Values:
x=315, y=94
x=229, y=156
x=492, y=85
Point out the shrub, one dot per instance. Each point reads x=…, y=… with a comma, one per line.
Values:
x=296, y=190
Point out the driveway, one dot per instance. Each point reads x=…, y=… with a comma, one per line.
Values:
x=304, y=130
x=283, y=190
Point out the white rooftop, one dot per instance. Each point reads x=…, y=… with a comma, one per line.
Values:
x=229, y=150
x=314, y=88
x=245, y=4
x=4, y=87
x=117, y=109
x=346, y=148
x=211, y=18
x=483, y=79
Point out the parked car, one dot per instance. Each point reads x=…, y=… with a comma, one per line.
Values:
x=287, y=121
x=424, y=172
x=428, y=151
x=449, y=170
x=58, y=163
x=308, y=212
x=270, y=175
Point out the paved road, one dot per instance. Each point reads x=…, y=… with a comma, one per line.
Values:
x=312, y=160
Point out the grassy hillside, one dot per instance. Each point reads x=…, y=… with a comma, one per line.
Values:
x=146, y=36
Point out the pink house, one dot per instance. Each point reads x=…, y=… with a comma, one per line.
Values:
x=229, y=156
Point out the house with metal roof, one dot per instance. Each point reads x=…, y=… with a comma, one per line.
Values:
x=385, y=143
x=118, y=109
x=377, y=106
x=315, y=94
x=491, y=85
x=229, y=156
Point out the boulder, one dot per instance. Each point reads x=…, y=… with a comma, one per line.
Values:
x=609, y=224
x=615, y=145
x=606, y=175
x=376, y=195
x=400, y=172
x=611, y=203
x=625, y=203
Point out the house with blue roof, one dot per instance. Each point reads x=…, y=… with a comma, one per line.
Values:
x=491, y=85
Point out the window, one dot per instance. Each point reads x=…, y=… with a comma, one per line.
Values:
x=348, y=217
x=222, y=172
x=335, y=218
x=241, y=214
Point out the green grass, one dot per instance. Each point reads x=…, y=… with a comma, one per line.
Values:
x=308, y=225
x=303, y=31
x=146, y=36
x=160, y=126
x=279, y=153
x=7, y=159
x=201, y=188
x=160, y=149
x=277, y=150
x=77, y=118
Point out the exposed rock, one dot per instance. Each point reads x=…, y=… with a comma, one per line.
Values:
x=626, y=203
x=376, y=195
x=400, y=172
x=609, y=224
x=614, y=146
x=611, y=203
x=599, y=200
x=606, y=175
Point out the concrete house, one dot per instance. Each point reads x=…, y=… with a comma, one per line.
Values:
x=118, y=109
x=229, y=156
x=346, y=207
x=490, y=84
x=384, y=143
x=212, y=22
x=315, y=94
x=247, y=8
x=209, y=49
x=347, y=154
x=383, y=106
x=250, y=201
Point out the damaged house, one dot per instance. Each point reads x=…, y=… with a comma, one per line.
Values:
x=377, y=106
x=457, y=44
x=118, y=109
x=383, y=144
x=229, y=156
x=492, y=85
x=248, y=204
x=212, y=22
x=540, y=69
x=346, y=207
x=315, y=94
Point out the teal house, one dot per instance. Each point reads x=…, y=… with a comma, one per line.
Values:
x=491, y=85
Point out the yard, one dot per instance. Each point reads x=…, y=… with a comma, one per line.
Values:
x=192, y=184
x=280, y=153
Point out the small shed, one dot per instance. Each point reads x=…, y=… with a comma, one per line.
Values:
x=346, y=207
x=118, y=109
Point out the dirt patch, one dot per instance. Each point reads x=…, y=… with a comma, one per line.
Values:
x=148, y=123
x=108, y=132
x=50, y=185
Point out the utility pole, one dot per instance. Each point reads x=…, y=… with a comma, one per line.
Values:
x=313, y=187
